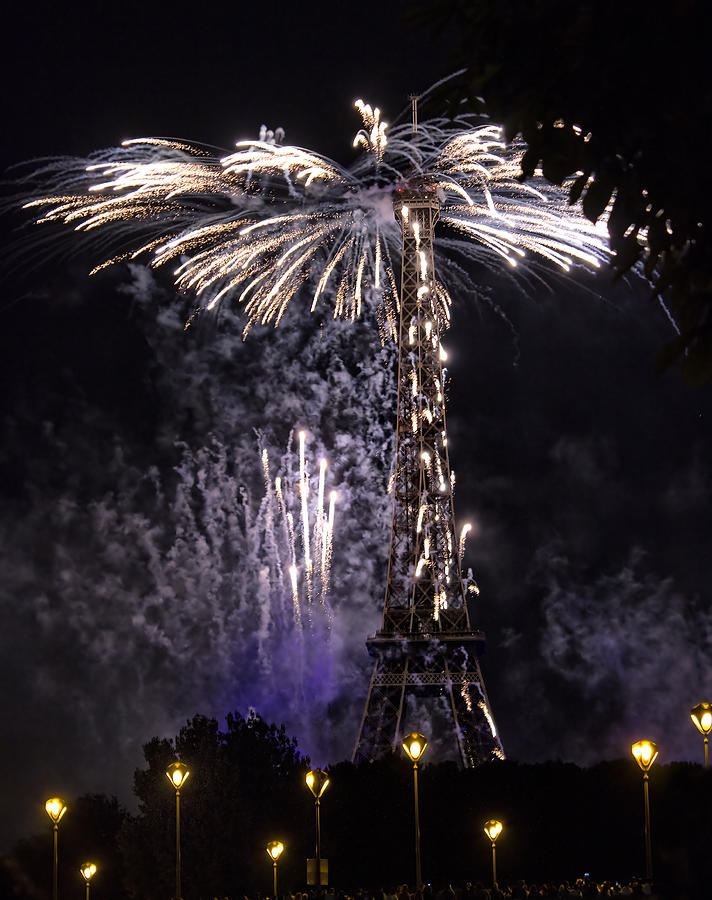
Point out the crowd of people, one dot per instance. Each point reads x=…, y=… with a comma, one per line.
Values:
x=580, y=889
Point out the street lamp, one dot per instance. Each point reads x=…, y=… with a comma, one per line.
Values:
x=55, y=810
x=317, y=782
x=177, y=773
x=88, y=870
x=701, y=715
x=274, y=851
x=493, y=829
x=645, y=753
x=414, y=745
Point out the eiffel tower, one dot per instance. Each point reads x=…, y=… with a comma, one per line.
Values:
x=426, y=645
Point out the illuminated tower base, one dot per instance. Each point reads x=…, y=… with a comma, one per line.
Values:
x=426, y=646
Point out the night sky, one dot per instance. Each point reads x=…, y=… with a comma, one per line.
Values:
x=586, y=475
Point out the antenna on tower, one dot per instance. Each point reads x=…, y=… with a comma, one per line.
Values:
x=414, y=110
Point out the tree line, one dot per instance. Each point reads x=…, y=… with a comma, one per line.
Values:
x=246, y=787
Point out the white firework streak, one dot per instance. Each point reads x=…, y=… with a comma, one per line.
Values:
x=289, y=550
x=266, y=222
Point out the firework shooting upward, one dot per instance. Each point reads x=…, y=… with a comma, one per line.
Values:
x=130, y=472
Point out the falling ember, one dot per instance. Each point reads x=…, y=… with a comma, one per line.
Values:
x=466, y=529
x=332, y=505
x=320, y=498
x=490, y=721
x=327, y=545
x=293, y=575
x=421, y=513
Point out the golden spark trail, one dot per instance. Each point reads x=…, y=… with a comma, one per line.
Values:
x=466, y=529
x=265, y=222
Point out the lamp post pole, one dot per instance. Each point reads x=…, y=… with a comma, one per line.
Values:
x=317, y=781
x=274, y=851
x=88, y=870
x=55, y=859
x=317, y=804
x=645, y=753
x=55, y=809
x=701, y=716
x=177, y=773
x=648, y=848
x=418, y=876
x=414, y=744
x=178, y=860
x=493, y=829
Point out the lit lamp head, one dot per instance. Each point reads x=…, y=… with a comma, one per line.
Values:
x=88, y=871
x=274, y=850
x=414, y=745
x=701, y=715
x=55, y=809
x=493, y=829
x=317, y=782
x=177, y=773
x=645, y=753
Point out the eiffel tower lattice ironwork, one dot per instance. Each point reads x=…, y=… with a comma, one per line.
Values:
x=426, y=644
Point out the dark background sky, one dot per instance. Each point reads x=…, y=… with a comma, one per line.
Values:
x=585, y=473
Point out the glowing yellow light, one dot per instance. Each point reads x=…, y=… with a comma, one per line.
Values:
x=177, y=773
x=645, y=753
x=274, y=850
x=55, y=809
x=493, y=829
x=88, y=871
x=317, y=782
x=701, y=715
x=414, y=745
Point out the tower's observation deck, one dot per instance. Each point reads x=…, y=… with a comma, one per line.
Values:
x=426, y=644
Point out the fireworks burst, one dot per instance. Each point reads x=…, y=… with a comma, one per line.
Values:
x=267, y=221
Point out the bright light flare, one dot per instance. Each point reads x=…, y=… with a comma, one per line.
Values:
x=645, y=753
x=493, y=829
x=55, y=809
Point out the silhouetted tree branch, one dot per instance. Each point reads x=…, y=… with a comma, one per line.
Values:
x=618, y=96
